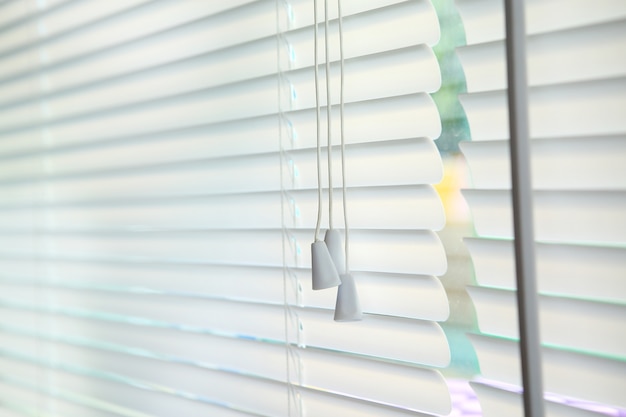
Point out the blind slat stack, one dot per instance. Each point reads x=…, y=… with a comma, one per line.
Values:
x=577, y=102
x=158, y=198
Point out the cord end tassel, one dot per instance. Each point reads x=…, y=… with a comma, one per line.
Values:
x=325, y=273
x=334, y=243
x=347, y=307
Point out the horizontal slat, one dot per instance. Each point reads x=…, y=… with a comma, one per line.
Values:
x=579, y=109
x=15, y=395
x=247, y=62
x=409, y=207
x=169, y=14
x=398, y=251
x=261, y=358
x=594, y=163
x=168, y=67
x=13, y=13
x=172, y=16
x=412, y=296
x=238, y=355
x=497, y=401
x=264, y=396
x=413, y=341
x=321, y=401
x=589, y=378
x=587, y=272
x=325, y=404
x=404, y=162
x=600, y=328
x=153, y=44
x=365, y=121
x=47, y=27
x=560, y=216
x=429, y=395
x=42, y=26
x=404, y=340
x=318, y=403
x=483, y=20
x=254, y=98
x=143, y=399
x=157, y=19
x=249, y=98
x=579, y=54
x=342, y=375
x=175, y=115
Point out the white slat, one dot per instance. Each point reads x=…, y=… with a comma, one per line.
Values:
x=498, y=401
x=593, y=163
x=561, y=268
x=600, y=327
x=571, y=374
x=594, y=217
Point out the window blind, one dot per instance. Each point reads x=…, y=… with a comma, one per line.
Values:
x=576, y=76
x=158, y=198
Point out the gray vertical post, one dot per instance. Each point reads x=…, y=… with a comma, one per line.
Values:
x=530, y=345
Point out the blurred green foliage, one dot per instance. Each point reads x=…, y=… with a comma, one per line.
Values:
x=454, y=122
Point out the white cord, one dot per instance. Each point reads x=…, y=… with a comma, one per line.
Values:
x=292, y=393
x=328, y=120
x=343, y=142
x=317, y=120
